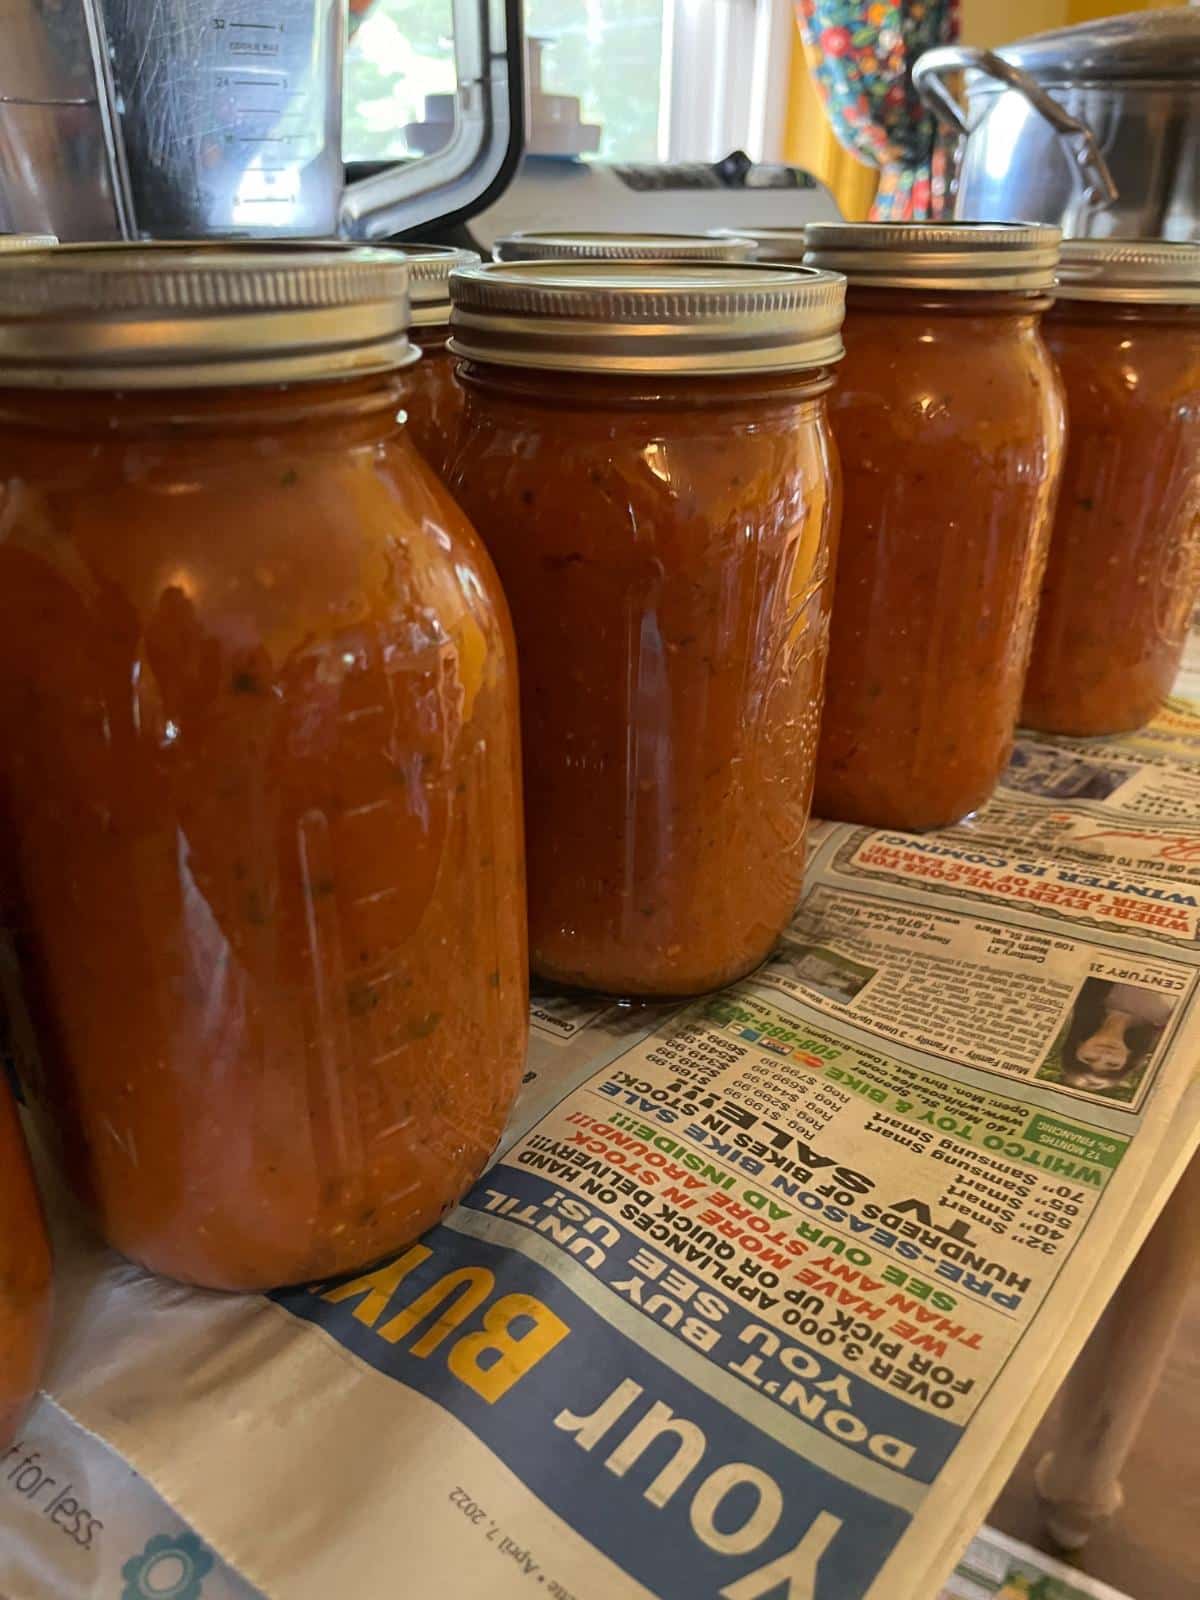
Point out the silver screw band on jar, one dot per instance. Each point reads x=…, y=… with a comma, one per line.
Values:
x=979, y=256
x=779, y=245
x=166, y=315
x=567, y=245
x=429, y=269
x=1130, y=271
x=10, y=243
x=685, y=318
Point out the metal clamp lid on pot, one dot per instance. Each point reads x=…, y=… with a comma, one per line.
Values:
x=780, y=245
x=569, y=244
x=429, y=269
x=683, y=318
x=1130, y=271
x=1139, y=45
x=166, y=315
x=987, y=257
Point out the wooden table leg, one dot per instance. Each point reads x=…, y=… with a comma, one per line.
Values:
x=1114, y=1378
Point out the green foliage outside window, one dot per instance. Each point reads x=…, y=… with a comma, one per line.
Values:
x=608, y=52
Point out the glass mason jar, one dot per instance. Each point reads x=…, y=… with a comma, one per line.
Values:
x=430, y=395
x=582, y=245
x=258, y=757
x=647, y=457
x=11, y=243
x=25, y=1275
x=949, y=423
x=1124, y=566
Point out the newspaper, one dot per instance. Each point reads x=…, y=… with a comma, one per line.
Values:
x=764, y=1293
x=996, y=1567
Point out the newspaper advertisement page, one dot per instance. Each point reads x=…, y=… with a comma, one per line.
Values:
x=77, y=1523
x=829, y=1201
x=995, y=1567
x=758, y=1283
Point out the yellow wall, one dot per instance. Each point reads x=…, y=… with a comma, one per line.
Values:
x=992, y=22
x=1090, y=10
x=809, y=140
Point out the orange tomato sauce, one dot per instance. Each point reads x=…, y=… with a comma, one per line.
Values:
x=1124, y=566
x=258, y=721
x=949, y=423
x=433, y=400
x=665, y=546
x=25, y=1275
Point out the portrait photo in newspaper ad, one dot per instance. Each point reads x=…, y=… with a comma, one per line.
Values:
x=1109, y=1040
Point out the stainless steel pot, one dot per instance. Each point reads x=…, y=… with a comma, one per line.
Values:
x=1095, y=128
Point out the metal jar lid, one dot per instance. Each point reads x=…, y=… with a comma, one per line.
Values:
x=983, y=256
x=1130, y=271
x=167, y=316
x=770, y=244
x=10, y=243
x=556, y=245
x=429, y=269
x=686, y=318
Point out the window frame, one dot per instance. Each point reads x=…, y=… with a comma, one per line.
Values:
x=724, y=77
x=725, y=71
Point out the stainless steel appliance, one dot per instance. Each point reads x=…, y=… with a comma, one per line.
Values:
x=202, y=118
x=554, y=189
x=650, y=197
x=1095, y=127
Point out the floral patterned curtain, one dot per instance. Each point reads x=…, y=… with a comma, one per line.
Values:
x=861, y=54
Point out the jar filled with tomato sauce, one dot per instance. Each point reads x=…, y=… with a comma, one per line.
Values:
x=25, y=1274
x=10, y=243
x=569, y=245
x=647, y=457
x=431, y=398
x=1124, y=565
x=949, y=423
x=258, y=754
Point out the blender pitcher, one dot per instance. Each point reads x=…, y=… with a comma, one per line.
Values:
x=193, y=119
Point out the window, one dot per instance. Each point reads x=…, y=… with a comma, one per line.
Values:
x=400, y=52
x=727, y=66
x=610, y=54
x=664, y=79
